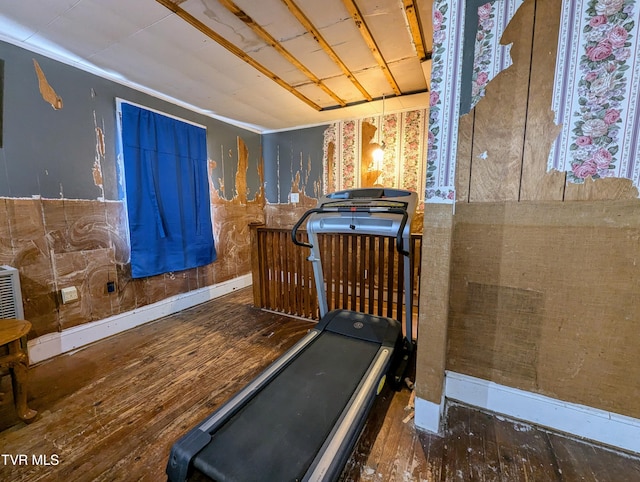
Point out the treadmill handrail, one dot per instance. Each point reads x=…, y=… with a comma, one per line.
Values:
x=358, y=209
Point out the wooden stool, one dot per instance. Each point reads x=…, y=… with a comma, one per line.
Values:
x=13, y=336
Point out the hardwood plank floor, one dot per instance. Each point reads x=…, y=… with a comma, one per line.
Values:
x=111, y=411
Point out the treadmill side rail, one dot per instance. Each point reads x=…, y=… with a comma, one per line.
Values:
x=331, y=458
x=186, y=448
x=243, y=396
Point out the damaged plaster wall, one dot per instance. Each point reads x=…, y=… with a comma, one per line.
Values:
x=63, y=220
x=295, y=160
x=293, y=164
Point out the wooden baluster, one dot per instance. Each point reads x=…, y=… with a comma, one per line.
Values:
x=277, y=260
x=269, y=285
x=298, y=260
x=286, y=271
x=371, y=273
x=309, y=285
x=400, y=286
x=354, y=270
x=361, y=257
x=380, y=277
x=256, y=271
x=344, y=271
x=390, y=254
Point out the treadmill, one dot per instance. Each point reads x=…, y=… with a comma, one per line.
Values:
x=301, y=417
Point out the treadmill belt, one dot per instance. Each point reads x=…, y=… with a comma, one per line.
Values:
x=276, y=436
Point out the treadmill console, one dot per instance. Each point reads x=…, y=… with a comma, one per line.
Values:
x=375, y=211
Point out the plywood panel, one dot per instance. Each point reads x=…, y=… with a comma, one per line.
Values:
x=500, y=118
x=434, y=301
x=544, y=298
x=601, y=189
x=541, y=130
x=463, y=159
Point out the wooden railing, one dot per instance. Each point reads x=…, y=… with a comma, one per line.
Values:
x=362, y=273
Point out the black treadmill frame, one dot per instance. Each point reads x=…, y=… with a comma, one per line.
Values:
x=333, y=454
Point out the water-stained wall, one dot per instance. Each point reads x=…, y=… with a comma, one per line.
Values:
x=62, y=220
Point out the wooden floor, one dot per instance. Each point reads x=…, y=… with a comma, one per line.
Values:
x=111, y=412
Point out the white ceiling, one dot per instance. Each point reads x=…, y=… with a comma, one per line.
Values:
x=171, y=50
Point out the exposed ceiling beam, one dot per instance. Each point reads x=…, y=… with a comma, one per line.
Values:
x=190, y=19
x=240, y=14
x=354, y=11
x=306, y=23
x=415, y=27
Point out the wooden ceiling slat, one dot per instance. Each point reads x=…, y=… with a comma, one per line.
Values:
x=190, y=19
x=244, y=17
x=354, y=11
x=306, y=23
x=415, y=28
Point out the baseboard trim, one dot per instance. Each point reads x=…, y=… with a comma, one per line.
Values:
x=428, y=415
x=600, y=426
x=52, y=344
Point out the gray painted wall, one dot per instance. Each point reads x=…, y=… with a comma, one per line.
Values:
x=51, y=153
x=286, y=153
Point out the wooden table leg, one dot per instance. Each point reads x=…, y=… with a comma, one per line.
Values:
x=19, y=375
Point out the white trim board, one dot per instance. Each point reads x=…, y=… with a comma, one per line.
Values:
x=582, y=421
x=120, y=101
x=52, y=344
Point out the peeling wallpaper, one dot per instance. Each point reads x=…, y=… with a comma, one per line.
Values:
x=444, y=102
x=490, y=57
x=348, y=147
x=294, y=163
x=62, y=222
x=597, y=92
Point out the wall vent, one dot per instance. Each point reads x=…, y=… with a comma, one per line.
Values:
x=10, y=294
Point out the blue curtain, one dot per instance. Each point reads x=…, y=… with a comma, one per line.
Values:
x=167, y=186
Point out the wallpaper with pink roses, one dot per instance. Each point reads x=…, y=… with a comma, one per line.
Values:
x=489, y=57
x=444, y=103
x=596, y=94
x=405, y=138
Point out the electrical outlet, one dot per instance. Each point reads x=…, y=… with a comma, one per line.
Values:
x=294, y=197
x=69, y=294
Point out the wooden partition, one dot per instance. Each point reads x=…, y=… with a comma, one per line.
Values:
x=362, y=273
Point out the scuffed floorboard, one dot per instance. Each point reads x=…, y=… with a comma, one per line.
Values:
x=477, y=446
x=111, y=411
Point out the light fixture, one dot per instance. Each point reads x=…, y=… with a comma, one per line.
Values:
x=378, y=156
x=378, y=153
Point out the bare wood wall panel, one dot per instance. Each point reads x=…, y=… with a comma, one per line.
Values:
x=463, y=159
x=541, y=130
x=602, y=189
x=544, y=298
x=500, y=119
x=504, y=142
x=434, y=301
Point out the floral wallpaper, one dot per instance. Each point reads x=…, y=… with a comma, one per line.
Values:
x=405, y=139
x=444, y=103
x=491, y=58
x=596, y=93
